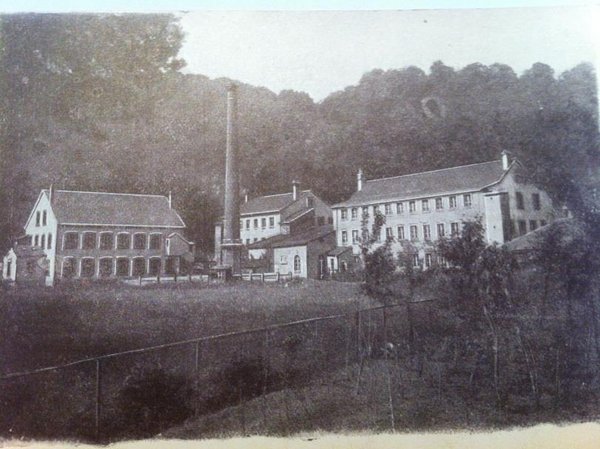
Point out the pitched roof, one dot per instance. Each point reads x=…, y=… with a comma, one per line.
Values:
x=437, y=182
x=566, y=230
x=269, y=203
x=299, y=239
x=102, y=208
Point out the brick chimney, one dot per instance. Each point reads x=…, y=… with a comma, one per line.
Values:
x=359, y=180
x=505, y=160
x=295, y=190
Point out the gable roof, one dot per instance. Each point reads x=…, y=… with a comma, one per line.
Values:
x=463, y=178
x=299, y=239
x=270, y=203
x=114, y=209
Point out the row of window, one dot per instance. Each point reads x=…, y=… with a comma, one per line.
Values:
x=41, y=218
x=414, y=206
x=297, y=262
x=88, y=267
x=400, y=233
x=42, y=240
x=535, y=201
x=522, y=226
x=256, y=221
x=107, y=241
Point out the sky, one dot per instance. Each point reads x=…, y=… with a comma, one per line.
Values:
x=320, y=52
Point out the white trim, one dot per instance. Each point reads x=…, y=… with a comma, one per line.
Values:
x=64, y=240
x=128, y=259
x=81, y=266
x=113, y=266
x=145, y=234
x=83, y=238
x=62, y=266
x=100, y=240
x=150, y=234
x=149, y=259
x=132, y=263
x=117, y=240
x=112, y=193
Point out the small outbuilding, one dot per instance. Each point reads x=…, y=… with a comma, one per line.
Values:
x=25, y=264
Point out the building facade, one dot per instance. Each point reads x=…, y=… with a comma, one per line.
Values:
x=270, y=215
x=106, y=235
x=421, y=208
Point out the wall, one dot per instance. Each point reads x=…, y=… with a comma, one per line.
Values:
x=49, y=229
x=252, y=234
x=283, y=260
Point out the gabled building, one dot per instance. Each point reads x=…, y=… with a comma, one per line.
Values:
x=421, y=208
x=270, y=215
x=106, y=235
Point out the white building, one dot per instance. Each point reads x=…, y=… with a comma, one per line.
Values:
x=422, y=207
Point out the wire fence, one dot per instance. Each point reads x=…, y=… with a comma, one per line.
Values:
x=84, y=398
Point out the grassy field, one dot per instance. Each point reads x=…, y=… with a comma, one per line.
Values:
x=40, y=327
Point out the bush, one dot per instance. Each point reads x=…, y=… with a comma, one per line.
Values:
x=152, y=400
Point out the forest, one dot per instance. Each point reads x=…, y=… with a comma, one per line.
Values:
x=99, y=102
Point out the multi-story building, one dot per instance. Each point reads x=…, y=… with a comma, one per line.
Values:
x=104, y=235
x=284, y=213
x=422, y=207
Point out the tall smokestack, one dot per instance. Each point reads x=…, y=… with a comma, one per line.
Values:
x=231, y=224
x=295, y=189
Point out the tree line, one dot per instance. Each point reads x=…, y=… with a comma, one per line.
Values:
x=98, y=102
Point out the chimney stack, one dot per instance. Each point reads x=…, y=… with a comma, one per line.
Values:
x=359, y=180
x=295, y=190
x=170, y=207
x=51, y=194
x=505, y=160
x=231, y=245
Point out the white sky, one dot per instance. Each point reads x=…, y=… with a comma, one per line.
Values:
x=320, y=52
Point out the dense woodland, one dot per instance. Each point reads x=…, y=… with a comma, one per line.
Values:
x=99, y=102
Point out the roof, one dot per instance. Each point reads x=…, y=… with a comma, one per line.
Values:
x=299, y=239
x=269, y=203
x=103, y=208
x=566, y=230
x=437, y=182
x=338, y=250
x=29, y=251
x=297, y=215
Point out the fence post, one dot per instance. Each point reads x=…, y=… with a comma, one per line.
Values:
x=98, y=397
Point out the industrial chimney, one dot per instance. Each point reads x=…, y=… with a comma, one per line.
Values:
x=231, y=246
x=505, y=160
x=295, y=190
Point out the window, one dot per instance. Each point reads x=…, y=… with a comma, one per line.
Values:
x=155, y=240
x=452, y=201
x=37, y=218
x=344, y=214
x=365, y=211
x=139, y=266
x=122, y=266
x=272, y=222
x=68, y=267
x=412, y=207
x=375, y=209
x=416, y=262
x=88, y=267
x=399, y=208
x=44, y=218
x=425, y=205
x=49, y=241
x=542, y=222
x=427, y=260
x=454, y=230
x=532, y=225
x=414, y=233
x=297, y=262
x=106, y=267
x=43, y=241
x=426, y=232
x=379, y=235
x=123, y=241
x=522, y=227
x=36, y=240
x=439, y=204
x=310, y=202
x=139, y=241
x=106, y=240
x=263, y=222
x=256, y=223
x=71, y=240
x=388, y=209
x=354, y=213
x=535, y=199
x=256, y=239
x=520, y=201
x=154, y=266
x=89, y=240
x=283, y=259
x=247, y=241
x=401, y=233
x=467, y=199
x=247, y=223
x=389, y=234
x=355, y=236
x=440, y=230
x=344, y=237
